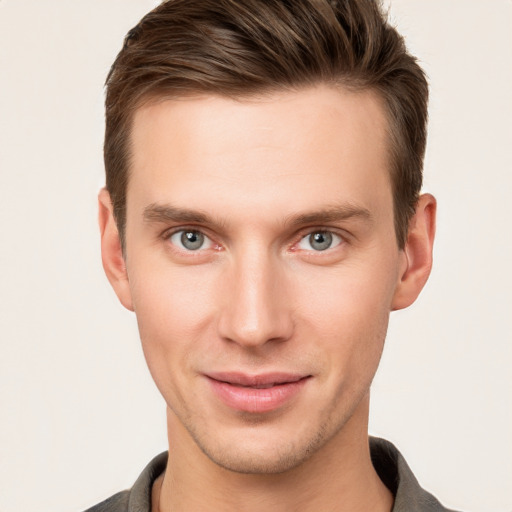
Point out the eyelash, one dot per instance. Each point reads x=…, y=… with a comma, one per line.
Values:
x=167, y=236
x=333, y=235
x=303, y=235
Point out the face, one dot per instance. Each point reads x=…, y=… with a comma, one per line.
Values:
x=262, y=265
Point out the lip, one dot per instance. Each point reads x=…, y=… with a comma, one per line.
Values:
x=256, y=393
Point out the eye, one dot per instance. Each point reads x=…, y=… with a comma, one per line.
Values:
x=190, y=240
x=319, y=241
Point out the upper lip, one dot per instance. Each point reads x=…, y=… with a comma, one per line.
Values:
x=262, y=379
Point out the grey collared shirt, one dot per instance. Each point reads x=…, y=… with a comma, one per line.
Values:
x=387, y=460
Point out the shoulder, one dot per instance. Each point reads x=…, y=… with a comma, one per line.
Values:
x=116, y=503
x=395, y=473
x=138, y=498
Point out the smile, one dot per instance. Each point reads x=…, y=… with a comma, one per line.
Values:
x=257, y=393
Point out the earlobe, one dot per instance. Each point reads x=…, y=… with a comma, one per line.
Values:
x=111, y=250
x=417, y=253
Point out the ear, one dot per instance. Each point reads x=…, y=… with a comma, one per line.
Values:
x=417, y=253
x=111, y=252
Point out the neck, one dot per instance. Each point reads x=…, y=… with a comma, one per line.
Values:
x=340, y=476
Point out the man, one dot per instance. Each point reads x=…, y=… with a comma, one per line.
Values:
x=262, y=217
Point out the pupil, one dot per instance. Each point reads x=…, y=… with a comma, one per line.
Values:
x=321, y=241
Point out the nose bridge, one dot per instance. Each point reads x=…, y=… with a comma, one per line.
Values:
x=256, y=310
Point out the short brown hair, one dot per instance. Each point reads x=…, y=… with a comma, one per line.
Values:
x=237, y=48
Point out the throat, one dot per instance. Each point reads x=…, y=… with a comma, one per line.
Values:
x=298, y=489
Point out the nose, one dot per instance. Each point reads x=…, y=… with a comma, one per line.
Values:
x=256, y=307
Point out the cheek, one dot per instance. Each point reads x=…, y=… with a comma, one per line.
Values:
x=171, y=299
x=173, y=306
x=346, y=311
x=353, y=295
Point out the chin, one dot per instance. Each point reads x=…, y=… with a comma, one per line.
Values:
x=263, y=452
x=251, y=462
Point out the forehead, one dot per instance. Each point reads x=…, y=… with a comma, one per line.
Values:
x=322, y=142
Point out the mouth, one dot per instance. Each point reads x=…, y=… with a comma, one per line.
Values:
x=256, y=393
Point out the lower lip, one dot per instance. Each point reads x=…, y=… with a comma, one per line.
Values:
x=256, y=400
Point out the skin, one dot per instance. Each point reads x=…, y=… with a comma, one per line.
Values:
x=258, y=296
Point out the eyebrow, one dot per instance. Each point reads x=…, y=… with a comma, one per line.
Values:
x=169, y=213
x=334, y=213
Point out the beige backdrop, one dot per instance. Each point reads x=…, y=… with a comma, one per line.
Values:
x=79, y=414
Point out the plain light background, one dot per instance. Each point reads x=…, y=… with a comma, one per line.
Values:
x=79, y=414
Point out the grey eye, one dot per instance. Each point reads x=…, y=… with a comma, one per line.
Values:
x=320, y=241
x=190, y=240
